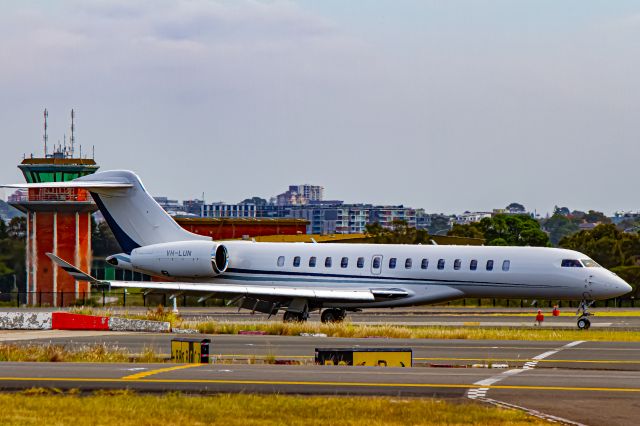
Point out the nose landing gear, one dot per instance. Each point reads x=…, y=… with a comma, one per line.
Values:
x=583, y=320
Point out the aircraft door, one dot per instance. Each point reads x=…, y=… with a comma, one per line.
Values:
x=376, y=264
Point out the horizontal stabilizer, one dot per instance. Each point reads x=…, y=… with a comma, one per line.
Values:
x=71, y=270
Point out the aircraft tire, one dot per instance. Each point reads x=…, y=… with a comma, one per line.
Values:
x=584, y=323
x=294, y=317
x=332, y=315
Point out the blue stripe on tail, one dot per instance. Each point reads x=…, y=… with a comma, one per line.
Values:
x=126, y=243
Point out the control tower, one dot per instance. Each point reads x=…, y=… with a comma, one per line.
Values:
x=58, y=221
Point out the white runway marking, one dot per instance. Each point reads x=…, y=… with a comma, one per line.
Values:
x=481, y=393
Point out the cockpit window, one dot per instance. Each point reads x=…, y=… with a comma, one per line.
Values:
x=590, y=263
x=571, y=263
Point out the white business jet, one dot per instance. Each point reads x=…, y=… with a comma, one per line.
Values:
x=333, y=278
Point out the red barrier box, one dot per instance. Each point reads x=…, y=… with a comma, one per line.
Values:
x=66, y=321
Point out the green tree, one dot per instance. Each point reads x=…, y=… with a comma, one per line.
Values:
x=3, y=229
x=400, y=233
x=501, y=229
x=17, y=229
x=469, y=230
x=103, y=242
x=559, y=226
x=606, y=245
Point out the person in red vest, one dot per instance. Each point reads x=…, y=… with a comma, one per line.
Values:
x=539, y=318
x=556, y=311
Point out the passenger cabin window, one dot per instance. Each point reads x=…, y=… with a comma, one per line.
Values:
x=506, y=264
x=344, y=262
x=590, y=263
x=440, y=263
x=360, y=262
x=281, y=261
x=473, y=265
x=312, y=262
x=327, y=262
x=376, y=263
x=424, y=264
x=296, y=261
x=456, y=264
x=407, y=263
x=392, y=263
x=571, y=263
x=489, y=265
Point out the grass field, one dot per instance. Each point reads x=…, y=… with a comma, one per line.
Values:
x=38, y=406
x=347, y=329
x=59, y=353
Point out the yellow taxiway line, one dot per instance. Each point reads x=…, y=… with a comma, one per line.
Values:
x=144, y=374
x=318, y=383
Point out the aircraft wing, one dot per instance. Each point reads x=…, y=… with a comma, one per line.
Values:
x=258, y=292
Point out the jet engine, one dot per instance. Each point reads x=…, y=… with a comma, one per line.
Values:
x=186, y=259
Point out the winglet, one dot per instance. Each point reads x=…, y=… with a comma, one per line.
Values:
x=72, y=270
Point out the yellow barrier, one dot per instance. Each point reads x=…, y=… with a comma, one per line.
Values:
x=367, y=357
x=190, y=350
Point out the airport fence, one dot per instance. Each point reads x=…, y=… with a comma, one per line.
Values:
x=138, y=298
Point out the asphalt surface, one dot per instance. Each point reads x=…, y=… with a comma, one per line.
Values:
x=593, y=383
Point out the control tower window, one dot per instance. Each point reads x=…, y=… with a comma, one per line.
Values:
x=571, y=263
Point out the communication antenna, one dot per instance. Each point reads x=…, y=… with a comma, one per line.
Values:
x=45, y=137
x=73, y=128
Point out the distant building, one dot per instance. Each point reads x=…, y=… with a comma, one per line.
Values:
x=193, y=207
x=173, y=207
x=300, y=195
x=471, y=217
x=223, y=210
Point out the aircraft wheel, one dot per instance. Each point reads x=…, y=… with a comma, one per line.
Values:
x=294, y=316
x=584, y=323
x=332, y=315
x=329, y=316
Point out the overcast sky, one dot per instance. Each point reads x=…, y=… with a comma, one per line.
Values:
x=446, y=105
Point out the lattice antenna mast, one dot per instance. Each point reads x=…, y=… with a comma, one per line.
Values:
x=45, y=137
x=73, y=129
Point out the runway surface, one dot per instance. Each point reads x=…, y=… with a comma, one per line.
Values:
x=586, y=382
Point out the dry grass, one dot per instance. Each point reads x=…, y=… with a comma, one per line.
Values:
x=38, y=406
x=59, y=353
x=157, y=314
x=347, y=329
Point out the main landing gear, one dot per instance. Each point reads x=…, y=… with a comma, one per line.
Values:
x=583, y=320
x=333, y=315
x=290, y=316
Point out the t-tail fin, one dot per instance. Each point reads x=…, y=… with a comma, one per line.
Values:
x=135, y=218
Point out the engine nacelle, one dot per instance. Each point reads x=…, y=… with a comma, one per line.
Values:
x=188, y=259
